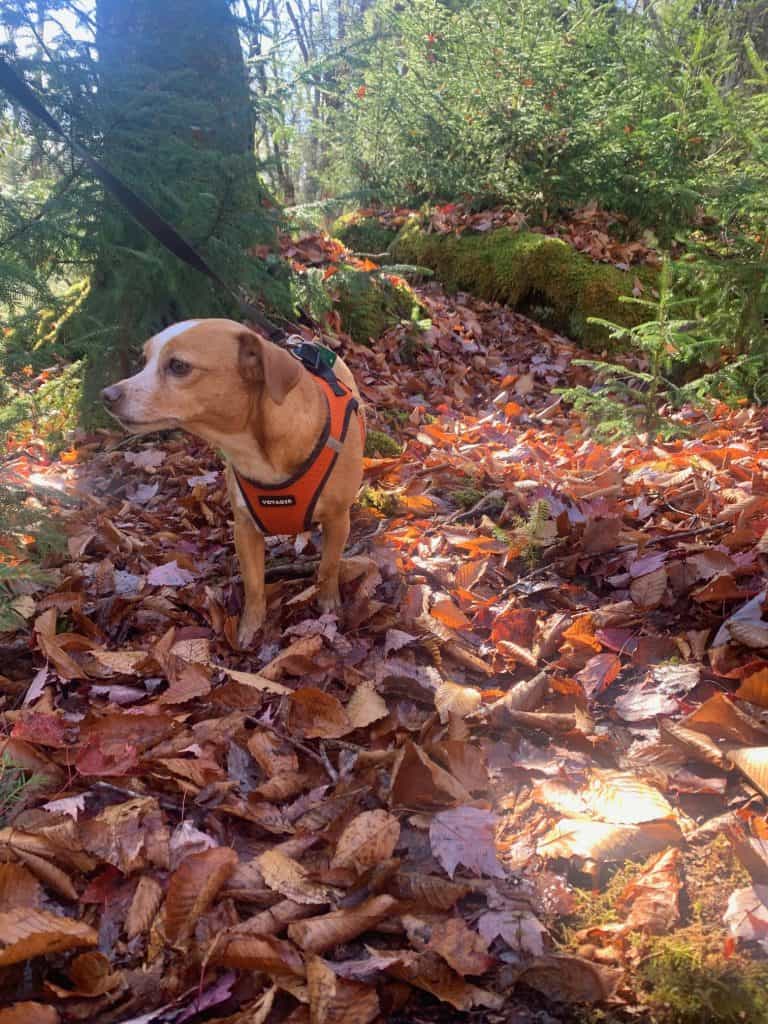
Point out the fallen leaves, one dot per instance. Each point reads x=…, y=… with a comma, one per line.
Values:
x=318, y=934
x=549, y=665
x=466, y=835
x=461, y=948
x=290, y=879
x=368, y=840
x=193, y=887
x=27, y=933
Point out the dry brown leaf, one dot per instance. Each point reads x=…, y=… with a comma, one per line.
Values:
x=452, y=699
x=696, y=745
x=621, y=797
x=29, y=1013
x=720, y=718
x=257, y=953
x=648, y=591
x=196, y=649
x=369, y=839
x=59, y=842
x=274, y=919
x=466, y=762
x=144, y=906
x=50, y=875
x=528, y=695
x=286, y=876
x=418, y=782
x=254, y=1013
x=27, y=933
x=91, y=975
x=365, y=706
x=321, y=933
x=601, y=841
x=131, y=835
x=296, y=659
x=335, y=1000
x=273, y=755
x=283, y=787
x=751, y=634
x=747, y=913
x=253, y=679
x=466, y=835
x=430, y=972
x=461, y=947
x=188, y=681
x=115, y=663
x=18, y=887
x=317, y=714
x=570, y=979
x=753, y=762
x=429, y=891
x=520, y=929
x=755, y=688
x=652, y=897
x=193, y=887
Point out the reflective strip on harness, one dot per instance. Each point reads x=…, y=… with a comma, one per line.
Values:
x=288, y=507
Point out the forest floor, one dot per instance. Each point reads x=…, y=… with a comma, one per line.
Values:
x=520, y=780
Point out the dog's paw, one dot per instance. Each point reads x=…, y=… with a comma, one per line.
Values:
x=251, y=622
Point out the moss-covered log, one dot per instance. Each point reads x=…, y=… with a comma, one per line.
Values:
x=534, y=273
x=363, y=234
x=370, y=303
x=367, y=302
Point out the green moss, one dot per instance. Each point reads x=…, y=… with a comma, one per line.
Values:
x=398, y=417
x=379, y=443
x=526, y=270
x=367, y=303
x=363, y=234
x=687, y=980
x=384, y=502
x=370, y=303
x=466, y=497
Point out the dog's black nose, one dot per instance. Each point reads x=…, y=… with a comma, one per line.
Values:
x=112, y=395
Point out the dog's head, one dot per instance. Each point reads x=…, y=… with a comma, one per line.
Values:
x=206, y=376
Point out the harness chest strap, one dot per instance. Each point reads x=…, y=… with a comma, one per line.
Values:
x=288, y=507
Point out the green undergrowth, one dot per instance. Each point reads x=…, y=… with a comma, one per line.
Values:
x=687, y=979
x=687, y=976
x=367, y=303
x=15, y=785
x=381, y=501
x=363, y=234
x=378, y=443
x=529, y=272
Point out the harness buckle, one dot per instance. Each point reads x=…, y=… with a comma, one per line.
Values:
x=318, y=360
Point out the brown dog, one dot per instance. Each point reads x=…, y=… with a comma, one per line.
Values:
x=270, y=416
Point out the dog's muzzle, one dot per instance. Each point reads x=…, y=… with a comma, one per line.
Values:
x=111, y=396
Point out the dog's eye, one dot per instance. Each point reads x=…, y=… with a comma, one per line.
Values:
x=178, y=367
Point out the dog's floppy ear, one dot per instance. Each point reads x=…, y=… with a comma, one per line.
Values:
x=261, y=362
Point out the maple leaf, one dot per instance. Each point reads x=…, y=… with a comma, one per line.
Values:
x=170, y=574
x=466, y=835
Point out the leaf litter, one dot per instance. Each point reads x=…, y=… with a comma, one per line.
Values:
x=400, y=810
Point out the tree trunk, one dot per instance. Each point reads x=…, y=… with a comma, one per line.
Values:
x=176, y=125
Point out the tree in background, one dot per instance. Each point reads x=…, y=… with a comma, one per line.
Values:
x=159, y=92
x=300, y=63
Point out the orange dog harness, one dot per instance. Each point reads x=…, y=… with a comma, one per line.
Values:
x=288, y=507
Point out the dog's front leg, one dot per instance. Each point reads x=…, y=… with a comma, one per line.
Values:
x=335, y=534
x=249, y=544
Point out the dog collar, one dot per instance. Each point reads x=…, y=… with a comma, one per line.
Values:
x=288, y=507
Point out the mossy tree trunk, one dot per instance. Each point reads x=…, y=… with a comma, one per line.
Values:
x=176, y=125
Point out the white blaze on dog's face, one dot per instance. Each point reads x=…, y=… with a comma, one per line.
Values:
x=206, y=376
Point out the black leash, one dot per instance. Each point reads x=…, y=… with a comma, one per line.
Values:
x=150, y=219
